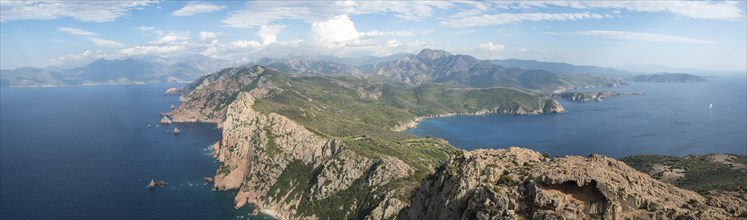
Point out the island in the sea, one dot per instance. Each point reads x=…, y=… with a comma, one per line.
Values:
x=668, y=77
x=311, y=146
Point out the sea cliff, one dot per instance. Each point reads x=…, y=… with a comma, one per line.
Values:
x=324, y=147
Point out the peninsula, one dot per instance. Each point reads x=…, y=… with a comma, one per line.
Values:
x=328, y=147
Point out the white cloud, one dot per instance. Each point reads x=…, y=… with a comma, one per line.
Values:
x=636, y=36
x=152, y=50
x=99, y=42
x=376, y=33
x=76, y=60
x=509, y=18
x=167, y=38
x=92, y=11
x=491, y=47
x=246, y=44
x=335, y=32
x=207, y=36
x=716, y=10
x=145, y=28
x=105, y=43
x=269, y=33
x=257, y=13
x=76, y=31
x=193, y=8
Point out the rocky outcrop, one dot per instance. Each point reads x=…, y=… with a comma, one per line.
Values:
x=176, y=130
x=519, y=183
x=153, y=184
x=172, y=91
x=206, y=99
x=165, y=120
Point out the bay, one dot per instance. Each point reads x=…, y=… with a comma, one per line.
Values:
x=669, y=119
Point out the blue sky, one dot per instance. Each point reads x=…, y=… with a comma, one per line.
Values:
x=704, y=34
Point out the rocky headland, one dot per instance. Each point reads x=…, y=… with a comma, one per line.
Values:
x=324, y=148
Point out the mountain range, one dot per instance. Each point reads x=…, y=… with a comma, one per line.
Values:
x=427, y=66
x=114, y=72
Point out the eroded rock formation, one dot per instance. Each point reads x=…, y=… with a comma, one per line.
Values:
x=517, y=183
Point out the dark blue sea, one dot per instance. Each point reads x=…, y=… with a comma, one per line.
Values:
x=670, y=119
x=86, y=152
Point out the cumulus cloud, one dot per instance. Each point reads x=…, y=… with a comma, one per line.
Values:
x=636, y=36
x=167, y=38
x=269, y=33
x=491, y=47
x=335, y=32
x=193, y=8
x=91, y=11
x=246, y=43
x=207, y=36
x=105, y=43
x=76, y=31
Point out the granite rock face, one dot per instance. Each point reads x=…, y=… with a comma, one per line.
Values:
x=517, y=183
x=258, y=151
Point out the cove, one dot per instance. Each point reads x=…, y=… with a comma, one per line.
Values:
x=669, y=119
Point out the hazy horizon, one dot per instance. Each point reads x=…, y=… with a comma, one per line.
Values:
x=682, y=35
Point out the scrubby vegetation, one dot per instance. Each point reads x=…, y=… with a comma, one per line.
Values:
x=701, y=173
x=345, y=106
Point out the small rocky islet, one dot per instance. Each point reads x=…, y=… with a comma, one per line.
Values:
x=156, y=184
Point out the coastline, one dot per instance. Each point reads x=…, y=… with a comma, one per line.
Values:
x=414, y=123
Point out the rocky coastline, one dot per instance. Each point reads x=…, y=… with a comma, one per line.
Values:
x=291, y=170
x=552, y=107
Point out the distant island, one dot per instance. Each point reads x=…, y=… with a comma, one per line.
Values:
x=668, y=77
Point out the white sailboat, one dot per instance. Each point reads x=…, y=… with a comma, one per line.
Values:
x=710, y=107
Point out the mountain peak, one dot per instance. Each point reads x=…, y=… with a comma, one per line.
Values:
x=429, y=54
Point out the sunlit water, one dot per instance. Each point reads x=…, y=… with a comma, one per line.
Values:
x=86, y=152
x=671, y=119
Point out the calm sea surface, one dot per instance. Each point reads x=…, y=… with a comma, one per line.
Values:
x=86, y=152
x=671, y=119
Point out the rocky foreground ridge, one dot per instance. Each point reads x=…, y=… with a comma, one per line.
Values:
x=292, y=151
x=517, y=183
